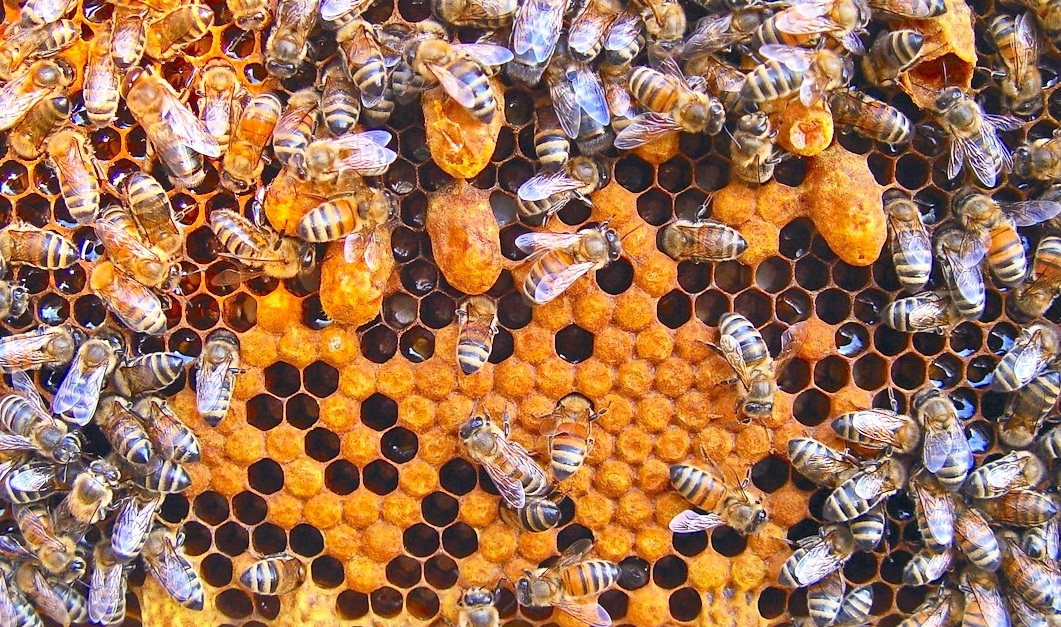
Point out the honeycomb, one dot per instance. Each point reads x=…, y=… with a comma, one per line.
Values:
x=341, y=444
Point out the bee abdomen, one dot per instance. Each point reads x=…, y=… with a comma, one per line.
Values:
x=752, y=346
x=590, y=577
x=1007, y=258
x=770, y=81
x=653, y=90
x=471, y=355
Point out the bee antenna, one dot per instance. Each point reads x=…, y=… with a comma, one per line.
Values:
x=631, y=231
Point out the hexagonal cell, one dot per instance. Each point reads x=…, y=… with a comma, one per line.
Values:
x=351, y=605
x=249, y=508
x=399, y=445
x=574, y=344
x=264, y=412
x=379, y=412
x=302, y=411
x=282, y=379
x=306, y=540
x=674, y=309
x=380, y=477
x=327, y=572
x=460, y=540
x=265, y=476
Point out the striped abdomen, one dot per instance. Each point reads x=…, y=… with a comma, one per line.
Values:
x=567, y=449
x=653, y=89
x=698, y=486
x=772, y=80
x=1006, y=256
x=468, y=72
x=589, y=577
x=237, y=235
x=752, y=346
x=38, y=248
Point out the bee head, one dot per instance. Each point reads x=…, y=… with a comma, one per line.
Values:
x=476, y=596
x=523, y=591
x=948, y=98
x=282, y=69
x=471, y=426
x=67, y=450
x=615, y=247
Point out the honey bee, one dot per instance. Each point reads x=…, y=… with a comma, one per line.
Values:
x=1042, y=542
x=23, y=414
x=259, y=247
x=251, y=15
x=167, y=35
x=789, y=69
x=337, y=10
x=475, y=608
x=753, y=154
x=854, y=608
x=546, y=194
x=975, y=538
x=162, y=558
x=1036, y=348
x=43, y=346
x=220, y=93
x=14, y=300
x=821, y=464
x=537, y=515
x=23, y=243
x=869, y=117
x=132, y=523
x=960, y=258
x=861, y=492
x=1039, y=159
x=132, y=303
x=339, y=102
x=216, y=375
x=460, y=69
x=243, y=163
x=476, y=328
x=727, y=505
x=123, y=429
x=489, y=14
x=1021, y=613
x=359, y=211
x=15, y=608
x=275, y=574
x=364, y=60
x=364, y=153
x=714, y=33
x=171, y=438
x=1027, y=408
x=27, y=139
x=508, y=464
x=995, y=224
x=40, y=12
x=620, y=102
x=92, y=494
x=720, y=78
x=927, y=312
x=824, y=599
x=743, y=348
x=570, y=440
x=974, y=135
x=1020, y=508
x=107, y=586
x=879, y=429
x=577, y=95
x=163, y=476
x=536, y=30
x=843, y=20
x=817, y=556
x=94, y=362
x=285, y=49
x=148, y=373
x=1014, y=471
x=665, y=23
x=673, y=105
x=623, y=40
x=150, y=208
x=128, y=37
x=892, y=53
x=945, y=449
x=933, y=510
x=701, y=241
x=910, y=244
x=70, y=155
x=926, y=566
x=1038, y=292
x=942, y=608
x=564, y=584
x=559, y=259
x=146, y=264
x=36, y=587
x=25, y=91
x=1034, y=581
x=58, y=553
x=1018, y=40
x=178, y=137
x=294, y=130
x=29, y=481
x=585, y=37
x=22, y=43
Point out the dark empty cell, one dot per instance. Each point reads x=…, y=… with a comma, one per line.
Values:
x=674, y=309
x=379, y=344
x=633, y=573
x=513, y=312
x=419, y=277
x=711, y=174
x=633, y=173
x=351, y=604
x=833, y=306
x=302, y=411
x=502, y=347
x=890, y=342
x=216, y=570
x=670, y=572
x=911, y=171
x=405, y=244
x=980, y=372
x=514, y=173
x=504, y=207
x=417, y=344
x=437, y=310
x=69, y=281
x=249, y=508
x=853, y=142
x=797, y=602
x=403, y=572
x=420, y=540
x=211, y=508
x=891, y=567
x=185, y=341
x=306, y=540
x=851, y=339
x=992, y=306
x=341, y=477
x=615, y=602
x=509, y=235
x=732, y=276
x=881, y=167
x=945, y=371
x=175, y=508
x=981, y=436
x=234, y=603
x=710, y=306
x=231, y=538
x=282, y=379
x=203, y=311
x=53, y=309
x=327, y=572
x=753, y=305
x=322, y=445
x=869, y=372
x=269, y=539
x=380, y=477
x=727, y=541
x=240, y=312
x=386, y=602
x=487, y=483
x=770, y=473
x=441, y=572
x=574, y=344
x=574, y=213
x=460, y=540
x=265, y=476
x=811, y=274
x=197, y=538
x=654, y=207
x=771, y=602
x=795, y=237
x=422, y=603
x=965, y=402
x=811, y=407
x=850, y=277
x=773, y=275
x=674, y=175
x=1000, y=338
x=616, y=277
x=313, y=315
x=433, y=178
x=458, y=477
x=831, y=374
x=414, y=210
x=379, y=412
x=264, y=412
x=791, y=171
x=399, y=445
x=965, y=339
x=685, y=604
x=320, y=379
x=928, y=344
x=439, y=509
x=687, y=205
x=795, y=376
x=202, y=245
x=571, y=534
x=792, y=306
x=694, y=277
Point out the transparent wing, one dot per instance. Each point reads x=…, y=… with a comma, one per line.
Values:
x=453, y=86
x=132, y=524
x=912, y=242
x=31, y=478
x=537, y=28
x=868, y=485
x=553, y=285
x=729, y=347
x=210, y=385
x=1031, y=212
x=23, y=385
x=184, y=127
x=487, y=54
x=292, y=117
x=15, y=101
x=1025, y=44
x=78, y=394
x=991, y=606
x=335, y=9
x=818, y=562
x=691, y=522
x=589, y=93
x=106, y=593
x=878, y=425
x=624, y=32
x=791, y=341
x=591, y=613
x=573, y=554
x=1029, y=362
x=939, y=514
x=541, y=186
x=565, y=103
x=510, y=488
x=370, y=157
x=938, y=445
x=536, y=242
x=356, y=141
x=645, y=128
x=711, y=35
x=806, y=18
x=14, y=442
x=796, y=59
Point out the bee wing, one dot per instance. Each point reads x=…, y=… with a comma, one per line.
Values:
x=794, y=58
x=817, y=562
x=552, y=285
x=292, y=117
x=573, y=554
x=941, y=444
x=1025, y=44
x=791, y=341
x=369, y=157
x=486, y=54
x=589, y=93
x=46, y=600
x=868, y=485
x=536, y=28
x=216, y=113
x=537, y=242
x=210, y=385
x=566, y=105
x=711, y=35
x=590, y=614
x=510, y=488
x=541, y=186
x=587, y=29
x=120, y=241
x=182, y=125
x=1029, y=362
x=131, y=525
x=355, y=245
x=852, y=42
x=14, y=105
x=482, y=10
x=805, y=18
x=7, y=605
x=335, y=9
x=1004, y=472
x=811, y=89
x=78, y=394
x=106, y=593
x=912, y=241
x=23, y=385
x=31, y=478
x=624, y=32
x=645, y=128
x=990, y=604
x=877, y=425
x=939, y=513
x=14, y=442
x=453, y=86
x=169, y=568
x=691, y=522
x=1030, y=212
